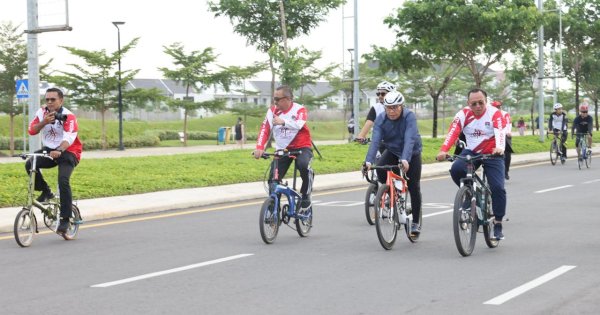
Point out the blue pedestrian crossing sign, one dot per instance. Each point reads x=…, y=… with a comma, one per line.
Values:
x=22, y=88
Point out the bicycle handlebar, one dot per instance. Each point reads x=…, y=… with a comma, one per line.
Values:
x=469, y=157
x=24, y=156
x=283, y=152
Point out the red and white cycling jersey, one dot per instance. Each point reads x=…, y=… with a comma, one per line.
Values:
x=54, y=134
x=293, y=135
x=483, y=133
x=507, y=123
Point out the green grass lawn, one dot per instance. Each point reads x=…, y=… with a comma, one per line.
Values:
x=95, y=178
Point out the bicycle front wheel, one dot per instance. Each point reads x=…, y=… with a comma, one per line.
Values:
x=580, y=158
x=25, y=227
x=553, y=153
x=74, y=222
x=386, y=222
x=588, y=159
x=369, y=206
x=269, y=221
x=464, y=221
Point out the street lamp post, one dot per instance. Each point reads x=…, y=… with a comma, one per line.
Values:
x=351, y=99
x=121, y=147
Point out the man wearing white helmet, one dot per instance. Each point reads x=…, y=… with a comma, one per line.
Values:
x=382, y=89
x=558, y=124
x=582, y=128
x=397, y=128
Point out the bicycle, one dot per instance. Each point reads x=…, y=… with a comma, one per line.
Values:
x=584, y=154
x=392, y=208
x=371, y=178
x=26, y=224
x=274, y=212
x=473, y=207
x=555, y=150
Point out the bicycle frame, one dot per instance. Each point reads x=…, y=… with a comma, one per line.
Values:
x=476, y=184
x=278, y=188
x=31, y=201
x=394, y=191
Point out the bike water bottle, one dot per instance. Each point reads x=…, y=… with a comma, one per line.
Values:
x=398, y=184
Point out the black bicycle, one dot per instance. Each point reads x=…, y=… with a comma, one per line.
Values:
x=473, y=207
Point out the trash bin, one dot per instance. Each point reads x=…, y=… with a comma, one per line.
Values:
x=221, y=135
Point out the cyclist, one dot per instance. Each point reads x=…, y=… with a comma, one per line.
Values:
x=382, y=89
x=59, y=137
x=397, y=128
x=483, y=128
x=286, y=120
x=582, y=124
x=558, y=124
x=508, y=142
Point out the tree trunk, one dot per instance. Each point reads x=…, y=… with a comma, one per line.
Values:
x=435, y=98
x=185, y=115
x=103, y=120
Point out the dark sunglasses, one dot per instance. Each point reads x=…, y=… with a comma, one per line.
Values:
x=51, y=99
x=583, y=112
x=380, y=93
x=392, y=107
x=277, y=99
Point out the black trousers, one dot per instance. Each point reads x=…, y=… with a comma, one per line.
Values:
x=507, y=154
x=66, y=164
x=303, y=163
x=414, y=178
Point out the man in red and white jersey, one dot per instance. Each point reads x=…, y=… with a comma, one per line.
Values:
x=286, y=120
x=483, y=127
x=59, y=138
x=508, y=151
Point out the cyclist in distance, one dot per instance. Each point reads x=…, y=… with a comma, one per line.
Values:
x=582, y=124
x=397, y=128
x=382, y=89
x=483, y=127
x=59, y=138
x=558, y=124
x=286, y=120
x=508, y=134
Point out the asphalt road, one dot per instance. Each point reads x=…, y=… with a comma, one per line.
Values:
x=212, y=260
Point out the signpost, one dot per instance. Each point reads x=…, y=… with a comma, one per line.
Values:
x=22, y=92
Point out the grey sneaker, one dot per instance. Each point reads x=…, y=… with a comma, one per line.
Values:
x=305, y=204
x=415, y=229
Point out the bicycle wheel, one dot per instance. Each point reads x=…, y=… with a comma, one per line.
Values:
x=413, y=237
x=488, y=225
x=269, y=221
x=74, y=222
x=25, y=227
x=464, y=221
x=369, y=207
x=553, y=153
x=386, y=222
x=304, y=222
x=580, y=158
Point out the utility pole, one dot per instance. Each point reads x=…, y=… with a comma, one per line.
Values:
x=541, y=75
x=355, y=95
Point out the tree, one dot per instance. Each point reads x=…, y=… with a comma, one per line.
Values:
x=579, y=35
x=193, y=73
x=523, y=73
x=591, y=81
x=13, y=66
x=477, y=34
x=93, y=85
x=256, y=20
x=299, y=70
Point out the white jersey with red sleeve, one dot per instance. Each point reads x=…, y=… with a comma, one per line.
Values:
x=483, y=134
x=54, y=134
x=507, y=123
x=293, y=135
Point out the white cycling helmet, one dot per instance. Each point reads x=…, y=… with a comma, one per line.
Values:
x=393, y=98
x=386, y=86
x=557, y=106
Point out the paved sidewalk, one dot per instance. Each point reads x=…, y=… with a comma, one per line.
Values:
x=120, y=206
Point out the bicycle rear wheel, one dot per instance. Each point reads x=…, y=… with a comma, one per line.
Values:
x=369, y=206
x=488, y=225
x=464, y=221
x=25, y=227
x=269, y=221
x=553, y=153
x=74, y=222
x=304, y=221
x=386, y=221
x=588, y=160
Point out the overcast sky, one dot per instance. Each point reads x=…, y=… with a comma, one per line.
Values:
x=159, y=23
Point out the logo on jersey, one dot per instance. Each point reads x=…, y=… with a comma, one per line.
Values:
x=477, y=133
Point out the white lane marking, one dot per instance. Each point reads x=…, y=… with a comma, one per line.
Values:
x=341, y=203
x=437, y=213
x=552, y=189
x=592, y=181
x=164, y=272
x=529, y=285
